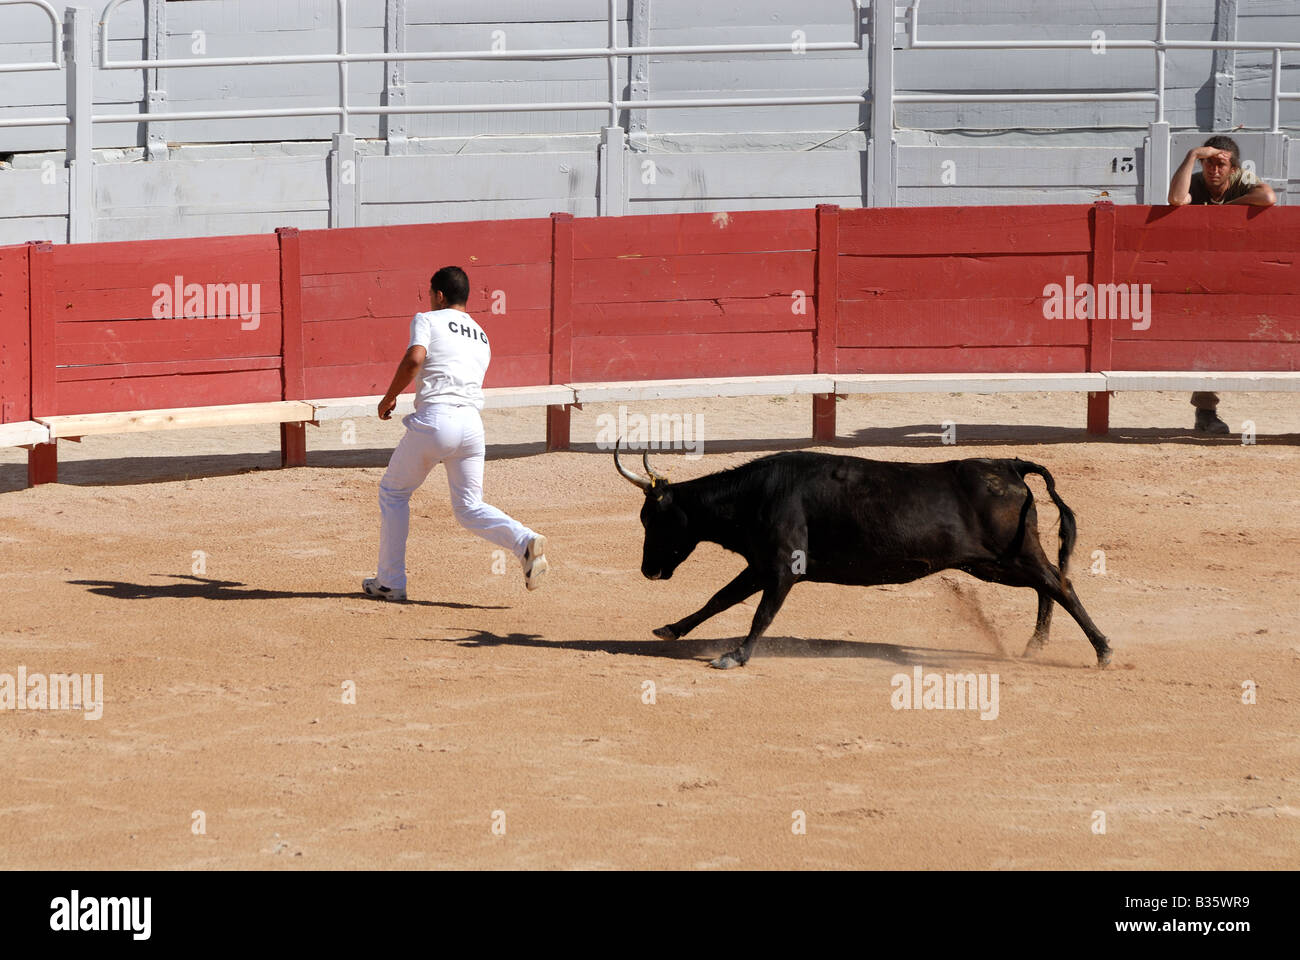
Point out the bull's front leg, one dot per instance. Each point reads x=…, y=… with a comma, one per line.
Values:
x=773, y=596
x=743, y=586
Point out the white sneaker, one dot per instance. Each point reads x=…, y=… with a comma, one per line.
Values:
x=372, y=588
x=534, y=562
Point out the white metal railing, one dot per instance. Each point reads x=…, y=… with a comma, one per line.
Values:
x=1159, y=46
x=612, y=52
x=56, y=63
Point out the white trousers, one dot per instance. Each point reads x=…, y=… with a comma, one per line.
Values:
x=451, y=434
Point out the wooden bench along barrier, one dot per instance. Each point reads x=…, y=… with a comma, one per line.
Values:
x=103, y=338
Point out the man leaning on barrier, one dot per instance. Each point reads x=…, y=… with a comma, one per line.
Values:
x=1221, y=180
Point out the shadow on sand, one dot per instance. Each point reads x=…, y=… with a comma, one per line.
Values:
x=202, y=588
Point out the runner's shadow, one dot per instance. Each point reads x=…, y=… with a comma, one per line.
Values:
x=706, y=648
x=203, y=588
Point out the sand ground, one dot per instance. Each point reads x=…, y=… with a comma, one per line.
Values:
x=478, y=703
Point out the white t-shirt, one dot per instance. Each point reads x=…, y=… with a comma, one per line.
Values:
x=457, y=359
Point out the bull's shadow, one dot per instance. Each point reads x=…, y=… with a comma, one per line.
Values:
x=204, y=588
x=705, y=649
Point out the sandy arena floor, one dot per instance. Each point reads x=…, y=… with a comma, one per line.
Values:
x=224, y=691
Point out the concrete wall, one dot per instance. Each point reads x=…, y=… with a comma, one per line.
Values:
x=208, y=177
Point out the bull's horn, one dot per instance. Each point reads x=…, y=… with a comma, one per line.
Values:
x=654, y=474
x=641, y=482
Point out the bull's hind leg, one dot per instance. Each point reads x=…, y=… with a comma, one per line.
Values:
x=1042, y=627
x=1062, y=591
x=744, y=585
x=1036, y=572
x=773, y=597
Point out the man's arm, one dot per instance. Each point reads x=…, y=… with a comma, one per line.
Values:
x=406, y=371
x=1260, y=195
x=1181, y=185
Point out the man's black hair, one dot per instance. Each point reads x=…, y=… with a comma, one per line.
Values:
x=1221, y=142
x=452, y=283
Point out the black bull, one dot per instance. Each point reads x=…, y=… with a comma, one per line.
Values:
x=835, y=519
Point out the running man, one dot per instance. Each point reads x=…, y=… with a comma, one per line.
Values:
x=1221, y=180
x=449, y=351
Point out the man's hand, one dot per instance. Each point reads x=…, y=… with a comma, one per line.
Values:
x=1204, y=153
x=406, y=371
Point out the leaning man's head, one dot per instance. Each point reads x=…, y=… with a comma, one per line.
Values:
x=449, y=287
x=1225, y=167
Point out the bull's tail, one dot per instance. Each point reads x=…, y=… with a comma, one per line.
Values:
x=1068, y=529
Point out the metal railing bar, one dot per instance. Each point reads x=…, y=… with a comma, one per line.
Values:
x=36, y=122
x=56, y=39
x=549, y=106
x=570, y=53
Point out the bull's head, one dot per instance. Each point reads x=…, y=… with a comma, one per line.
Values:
x=668, y=536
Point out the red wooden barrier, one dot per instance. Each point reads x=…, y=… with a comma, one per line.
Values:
x=15, y=336
x=896, y=290
x=826, y=337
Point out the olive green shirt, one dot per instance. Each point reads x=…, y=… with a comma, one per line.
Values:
x=1237, y=188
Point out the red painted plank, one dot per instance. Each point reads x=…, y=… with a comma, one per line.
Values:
x=521, y=371
x=151, y=393
x=1006, y=321
x=40, y=278
x=15, y=336
x=1231, y=272
x=152, y=341
x=690, y=317
x=1189, y=228
x=394, y=293
x=384, y=339
x=962, y=360
x=655, y=357
x=350, y=380
x=560, y=326
x=143, y=264
x=693, y=234
x=965, y=230
x=1101, y=327
x=978, y=278
x=291, y=346
x=1210, y=316
x=827, y=286
x=125, y=371
x=426, y=247
x=695, y=277
x=141, y=303
x=826, y=335
x=1103, y=271
x=1204, y=355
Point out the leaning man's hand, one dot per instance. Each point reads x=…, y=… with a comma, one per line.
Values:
x=386, y=406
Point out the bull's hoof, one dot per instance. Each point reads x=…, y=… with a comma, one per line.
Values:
x=665, y=633
x=726, y=662
x=1033, y=649
x=1103, y=659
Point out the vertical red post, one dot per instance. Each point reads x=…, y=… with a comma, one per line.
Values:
x=43, y=458
x=15, y=335
x=557, y=418
x=827, y=297
x=1101, y=331
x=293, y=436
